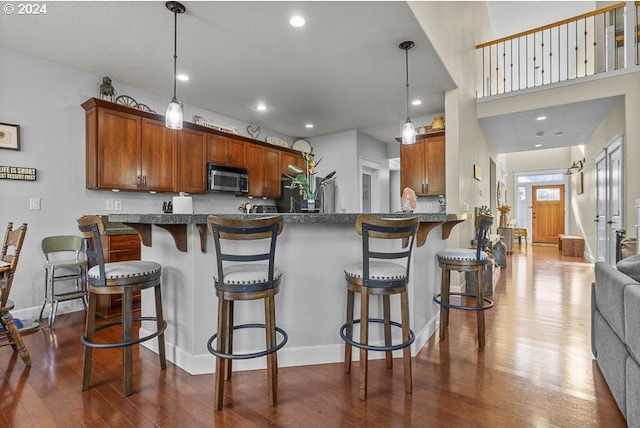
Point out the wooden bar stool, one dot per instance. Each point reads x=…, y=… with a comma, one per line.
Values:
x=123, y=278
x=11, y=247
x=375, y=275
x=466, y=260
x=247, y=273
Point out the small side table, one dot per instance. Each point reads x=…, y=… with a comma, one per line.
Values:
x=520, y=232
x=508, y=235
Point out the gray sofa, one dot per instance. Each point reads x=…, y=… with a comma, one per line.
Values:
x=615, y=336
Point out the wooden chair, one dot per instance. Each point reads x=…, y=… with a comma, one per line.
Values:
x=122, y=278
x=375, y=275
x=247, y=277
x=11, y=247
x=466, y=260
x=63, y=264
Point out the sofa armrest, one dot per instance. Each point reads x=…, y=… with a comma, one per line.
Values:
x=632, y=320
x=609, y=296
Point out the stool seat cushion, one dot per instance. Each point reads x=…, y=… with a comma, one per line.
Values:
x=378, y=270
x=461, y=254
x=128, y=269
x=241, y=274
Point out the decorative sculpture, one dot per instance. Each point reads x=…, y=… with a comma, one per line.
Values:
x=409, y=200
x=107, y=91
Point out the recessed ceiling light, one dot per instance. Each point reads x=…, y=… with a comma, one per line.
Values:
x=416, y=102
x=541, y=117
x=261, y=107
x=297, y=21
x=182, y=77
x=309, y=125
x=538, y=145
x=559, y=133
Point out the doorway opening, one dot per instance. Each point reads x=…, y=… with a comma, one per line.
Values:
x=540, y=205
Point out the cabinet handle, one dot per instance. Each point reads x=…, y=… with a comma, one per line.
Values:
x=144, y=181
x=426, y=185
x=138, y=178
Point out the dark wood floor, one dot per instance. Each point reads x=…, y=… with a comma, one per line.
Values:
x=536, y=370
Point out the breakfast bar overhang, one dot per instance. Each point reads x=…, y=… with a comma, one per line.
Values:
x=312, y=252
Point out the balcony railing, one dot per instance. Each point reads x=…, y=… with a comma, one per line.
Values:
x=587, y=44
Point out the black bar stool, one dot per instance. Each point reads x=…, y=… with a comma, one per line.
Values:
x=377, y=276
x=466, y=260
x=122, y=278
x=251, y=275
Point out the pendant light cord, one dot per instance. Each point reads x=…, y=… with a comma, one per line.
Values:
x=406, y=52
x=175, y=53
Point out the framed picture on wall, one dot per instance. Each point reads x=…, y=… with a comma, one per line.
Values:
x=580, y=185
x=477, y=172
x=9, y=136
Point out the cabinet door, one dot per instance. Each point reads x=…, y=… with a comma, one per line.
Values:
x=192, y=173
x=118, y=150
x=217, y=149
x=256, y=166
x=272, y=173
x=435, y=166
x=412, y=159
x=158, y=156
x=236, y=153
x=287, y=159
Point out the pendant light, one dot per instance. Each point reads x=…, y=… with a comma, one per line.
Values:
x=408, y=130
x=173, y=118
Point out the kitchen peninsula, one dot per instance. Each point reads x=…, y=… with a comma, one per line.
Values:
x=312, y=252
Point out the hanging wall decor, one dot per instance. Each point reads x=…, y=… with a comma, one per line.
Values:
x=9, y=136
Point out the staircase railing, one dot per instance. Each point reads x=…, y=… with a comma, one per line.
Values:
x=584, y=45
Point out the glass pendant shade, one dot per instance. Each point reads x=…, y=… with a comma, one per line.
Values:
x=408, y=133
x=173, y=118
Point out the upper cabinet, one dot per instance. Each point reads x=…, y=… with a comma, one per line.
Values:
x=422, y=165
x=226, y=151
x=287, y=159
x=129, y=149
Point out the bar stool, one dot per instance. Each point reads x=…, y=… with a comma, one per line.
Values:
x=63, y=264
x=248, y=277
x=376, y=276
x=466, y=260
x=122, y=278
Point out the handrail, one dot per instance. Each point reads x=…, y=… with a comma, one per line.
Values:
x=553, y=25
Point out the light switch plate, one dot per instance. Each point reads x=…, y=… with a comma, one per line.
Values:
x=34, y=203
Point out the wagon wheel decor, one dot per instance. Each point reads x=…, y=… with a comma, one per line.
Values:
x=126, y=100
x=144, y=107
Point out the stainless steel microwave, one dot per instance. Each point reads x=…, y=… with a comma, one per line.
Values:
x=227, y=179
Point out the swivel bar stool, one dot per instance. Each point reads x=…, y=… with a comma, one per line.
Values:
x=245, y=272
x=122, y=278
x=466, y=260
x=376, y=275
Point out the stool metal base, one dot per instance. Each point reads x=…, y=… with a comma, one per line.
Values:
x=285, y=338
x=368, y=347
x=438, y=299
x=87, y=342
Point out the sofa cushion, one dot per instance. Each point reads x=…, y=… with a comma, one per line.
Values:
x=632, y=320
x=630, y=267
x=633, y=393
x=612, y=358
x=609, y=291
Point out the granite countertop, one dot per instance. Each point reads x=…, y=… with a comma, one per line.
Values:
x=116, y=228
x=337, y=218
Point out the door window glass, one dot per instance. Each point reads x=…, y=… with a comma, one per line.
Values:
x=548, y=195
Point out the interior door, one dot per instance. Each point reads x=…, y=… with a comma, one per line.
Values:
x=601, y=208
x=548, y=213
x=614, y=222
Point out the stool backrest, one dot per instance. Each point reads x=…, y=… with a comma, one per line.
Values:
x=11, y=247
x=243, y=229
x=483, y=224
x=92, y=227
x=62, y=244
x=372, y=227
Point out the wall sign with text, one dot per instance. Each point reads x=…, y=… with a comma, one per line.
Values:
x=17, y=173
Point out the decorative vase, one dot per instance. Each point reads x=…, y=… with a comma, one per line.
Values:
x=504, y=220
x=309, y=205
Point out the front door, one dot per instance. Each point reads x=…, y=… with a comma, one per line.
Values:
x=614, y=153
x=548, y=213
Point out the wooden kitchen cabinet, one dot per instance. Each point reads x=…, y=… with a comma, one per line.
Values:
x=191, y=164
x=422, y=165
x=263, y=164
x=118, y=248
x=226, y=151
x=287, y=159
x=157, y=162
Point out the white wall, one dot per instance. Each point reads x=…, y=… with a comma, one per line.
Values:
x=44, y=99
x=375, y=151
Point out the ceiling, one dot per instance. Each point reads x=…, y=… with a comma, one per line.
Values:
x=343, y=70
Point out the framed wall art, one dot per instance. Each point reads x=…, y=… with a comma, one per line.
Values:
x=580, y=184
x=9, y=136
x=477, y=172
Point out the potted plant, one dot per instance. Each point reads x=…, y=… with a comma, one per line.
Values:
x=305, y=181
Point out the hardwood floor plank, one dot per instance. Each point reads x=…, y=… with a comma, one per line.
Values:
x=536, y=370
